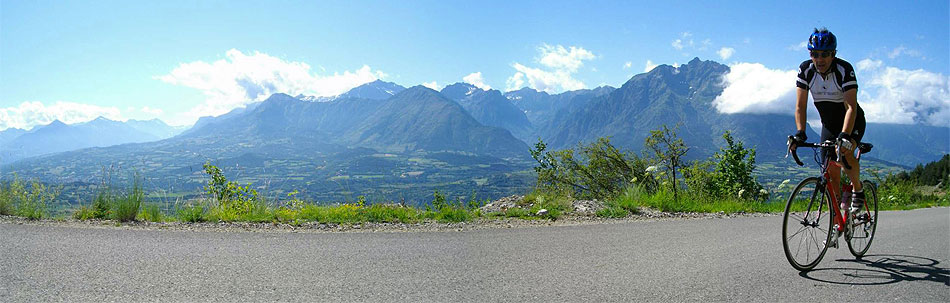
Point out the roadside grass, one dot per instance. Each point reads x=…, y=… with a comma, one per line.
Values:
x=191, y=212
x=151, y=213
x=123, y=207
x=632, y=198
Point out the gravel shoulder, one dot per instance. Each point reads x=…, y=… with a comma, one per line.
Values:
x=425, y=226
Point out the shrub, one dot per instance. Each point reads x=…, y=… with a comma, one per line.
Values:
x=8, y=197
x=32, y=203
x=597, y=170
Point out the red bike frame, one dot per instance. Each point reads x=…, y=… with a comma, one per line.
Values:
x=833, y=203
x=840, y=218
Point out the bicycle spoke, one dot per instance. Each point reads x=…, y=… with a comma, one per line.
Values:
x=800, y=230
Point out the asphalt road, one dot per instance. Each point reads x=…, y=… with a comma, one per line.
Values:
x=728, y=259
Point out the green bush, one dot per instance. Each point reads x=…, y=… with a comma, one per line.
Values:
x=26, y=200
x=233, y=202
x=101, y=205
x=730, y=176
x=597, y=170
x=7, y=205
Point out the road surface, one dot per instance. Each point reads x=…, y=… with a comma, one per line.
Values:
x=722, y=259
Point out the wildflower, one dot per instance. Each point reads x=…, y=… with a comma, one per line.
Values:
x=763, y=192
x=784, y=183
x=651, y=169
x=741, y=191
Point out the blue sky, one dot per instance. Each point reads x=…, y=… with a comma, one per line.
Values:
x=178, y=60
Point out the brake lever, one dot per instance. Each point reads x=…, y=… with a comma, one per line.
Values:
x=842, y=160
x=791, y=140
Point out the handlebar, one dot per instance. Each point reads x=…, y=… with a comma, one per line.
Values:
x=792, y=142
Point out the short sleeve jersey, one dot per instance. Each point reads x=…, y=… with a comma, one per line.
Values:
x=828, y=91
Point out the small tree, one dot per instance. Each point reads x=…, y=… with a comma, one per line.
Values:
x=668, y=151
x=734, y=168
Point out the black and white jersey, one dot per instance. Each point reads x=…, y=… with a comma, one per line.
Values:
x=832, y=86
x=828, y=91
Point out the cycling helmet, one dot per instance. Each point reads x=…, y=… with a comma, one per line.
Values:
x=823, y=40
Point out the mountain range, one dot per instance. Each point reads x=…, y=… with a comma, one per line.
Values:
x=384, y=138
x=16, y=144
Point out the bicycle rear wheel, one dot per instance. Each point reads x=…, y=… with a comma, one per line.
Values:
x=864, y=225
x=805, y=228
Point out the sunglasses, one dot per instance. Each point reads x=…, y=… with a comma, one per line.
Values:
x=819, y=54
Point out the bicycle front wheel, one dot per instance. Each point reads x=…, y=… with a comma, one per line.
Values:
x=864, y=225
x=806, y=229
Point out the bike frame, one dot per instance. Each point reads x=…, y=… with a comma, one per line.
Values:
x=839, y=216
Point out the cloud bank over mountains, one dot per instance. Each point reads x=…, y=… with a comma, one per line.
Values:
x=887, y=94
x=35, y=113
x=240, y=78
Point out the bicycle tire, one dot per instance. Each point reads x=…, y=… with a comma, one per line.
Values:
x=803, y=217
x=864, y=229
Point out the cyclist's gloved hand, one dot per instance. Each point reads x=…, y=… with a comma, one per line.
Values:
x=844, y=141
x=800, y=136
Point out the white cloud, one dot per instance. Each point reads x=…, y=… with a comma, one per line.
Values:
x=902, y=50
x=754, y=88
x=476, y=80
x=705, y=45
x=561, y=63
x=802, y=46
x=516, y=81
x=560, y=58
x=542, y=80
x=433, y=85
x=240, y=78
x=678, y=44
x=35, y=113
x=686, y=40
x=893, y=95
x=627, y=65
x=887, y=94
x=726, y=52
x=649, y=66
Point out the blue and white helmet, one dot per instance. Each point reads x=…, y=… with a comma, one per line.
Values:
x=823, y=40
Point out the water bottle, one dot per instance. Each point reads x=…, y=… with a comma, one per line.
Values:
x=845, y=198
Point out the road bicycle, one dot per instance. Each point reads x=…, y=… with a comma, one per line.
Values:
x=808, y=228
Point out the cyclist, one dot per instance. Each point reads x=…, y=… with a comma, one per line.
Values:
x=834, y=89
